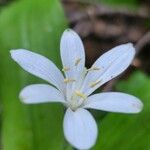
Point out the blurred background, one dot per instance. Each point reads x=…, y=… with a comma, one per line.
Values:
x=37, y=25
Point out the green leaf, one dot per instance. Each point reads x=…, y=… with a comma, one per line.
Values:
x=128, y=131
x=35, y=25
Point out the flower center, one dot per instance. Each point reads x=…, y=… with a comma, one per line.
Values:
x=74, y=90
x=77, y=99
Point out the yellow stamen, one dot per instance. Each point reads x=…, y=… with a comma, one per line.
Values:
x=77, y=61
x=68, y=80
x=78, y=93
x=93, y=69
x=95, y=83
x=65, y=69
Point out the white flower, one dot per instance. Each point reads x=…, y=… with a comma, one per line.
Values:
x=74, y=89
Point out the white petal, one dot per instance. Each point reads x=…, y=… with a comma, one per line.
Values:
x=40, y=93
x=39, y=66
x=73, y=57
x=110, y=65
x=72, y=50
x=80, y=128
x=114, y=102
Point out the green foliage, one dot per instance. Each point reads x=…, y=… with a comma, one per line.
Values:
x=36, y=25
x=128, y=131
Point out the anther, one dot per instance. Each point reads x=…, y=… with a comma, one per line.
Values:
x=93, y=84
x=93, y=69
x=77, y=61
x=68, y=80
x=65, y=69
x=78, y=93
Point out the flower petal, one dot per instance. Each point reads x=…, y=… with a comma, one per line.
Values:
x=39, y=66
x=73, y=58
x=72, y=53
x=80, y=128
x=108, y=66
x=40, y=93
x=114, y=102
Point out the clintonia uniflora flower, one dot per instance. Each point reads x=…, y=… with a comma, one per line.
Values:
x=74, y=88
